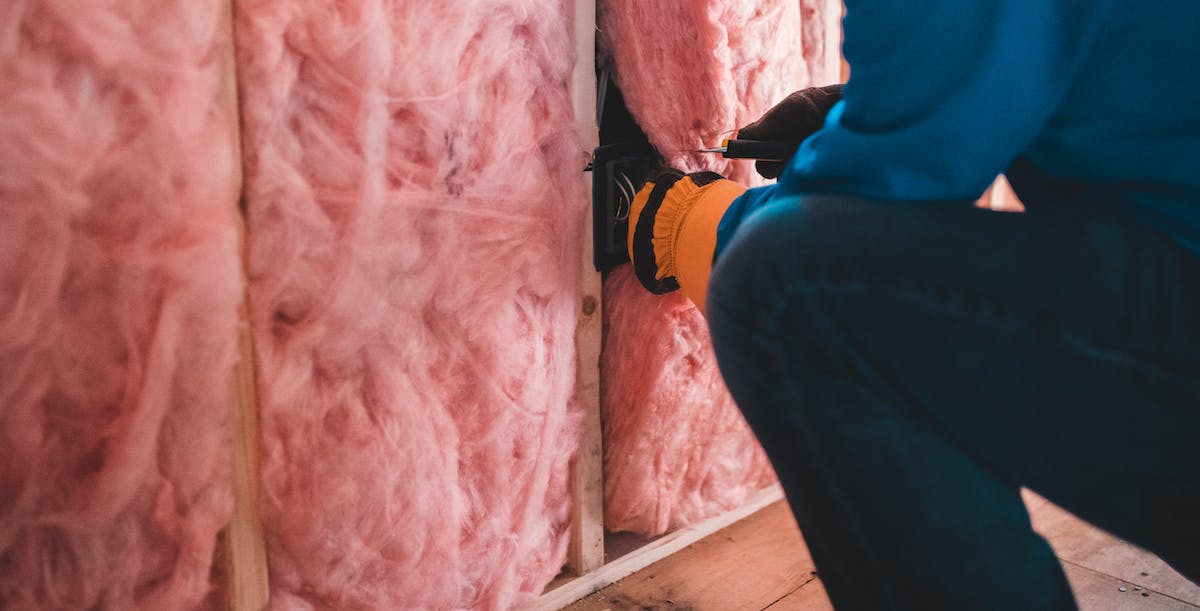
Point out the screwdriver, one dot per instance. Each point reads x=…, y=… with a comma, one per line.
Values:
x=762, y=150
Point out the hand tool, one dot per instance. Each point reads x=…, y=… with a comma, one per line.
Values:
x=762, y=150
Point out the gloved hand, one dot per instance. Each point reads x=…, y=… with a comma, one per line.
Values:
x=794, y=119
x=673, y=230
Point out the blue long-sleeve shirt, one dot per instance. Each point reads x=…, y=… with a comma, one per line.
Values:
x=1093, y=101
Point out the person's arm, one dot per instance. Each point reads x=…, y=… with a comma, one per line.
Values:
x=943, y=95
x=674, y=217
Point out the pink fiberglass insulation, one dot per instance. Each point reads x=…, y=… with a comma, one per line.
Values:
x=676, y=448
x=1000, y=196
x=415, y=201
x=119, y=291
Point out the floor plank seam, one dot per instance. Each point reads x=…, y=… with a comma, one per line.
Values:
x=811, y=578
x=1143, y=588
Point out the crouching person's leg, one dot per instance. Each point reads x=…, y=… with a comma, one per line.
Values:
x=907, y=369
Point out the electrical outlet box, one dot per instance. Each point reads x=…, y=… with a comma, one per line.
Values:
x=620, y=166
x=618, y=172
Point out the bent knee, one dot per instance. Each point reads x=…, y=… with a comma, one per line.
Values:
x=773, y=248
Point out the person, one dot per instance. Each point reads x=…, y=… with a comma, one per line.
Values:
x=909, y=361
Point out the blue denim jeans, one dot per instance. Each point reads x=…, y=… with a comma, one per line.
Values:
x=908, y=367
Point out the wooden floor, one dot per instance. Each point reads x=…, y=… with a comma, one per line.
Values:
x=762, y=563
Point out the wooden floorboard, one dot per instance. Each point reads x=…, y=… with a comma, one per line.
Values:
x=1095, y=591
x=746, y=566
x=1079, y=543
x=809, y=597
x=762, y=563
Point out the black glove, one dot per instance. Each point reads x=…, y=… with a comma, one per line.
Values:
x=794, y=119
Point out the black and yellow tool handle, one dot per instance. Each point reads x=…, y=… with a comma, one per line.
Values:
x=763, y=150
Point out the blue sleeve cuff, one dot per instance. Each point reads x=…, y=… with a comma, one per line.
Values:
x=738, y=212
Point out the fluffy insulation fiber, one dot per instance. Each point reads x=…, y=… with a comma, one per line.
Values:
x=415, y=203
x=676, y=448
x=119, y=292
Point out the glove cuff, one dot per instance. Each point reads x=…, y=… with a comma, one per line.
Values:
x=686, y=234
x=645, y=208
x=673, y=241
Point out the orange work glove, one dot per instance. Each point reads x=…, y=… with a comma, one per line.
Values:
x=673, y=230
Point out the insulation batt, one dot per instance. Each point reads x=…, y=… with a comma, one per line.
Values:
x=416, y=205
x=676, y=448
x=119, y=291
